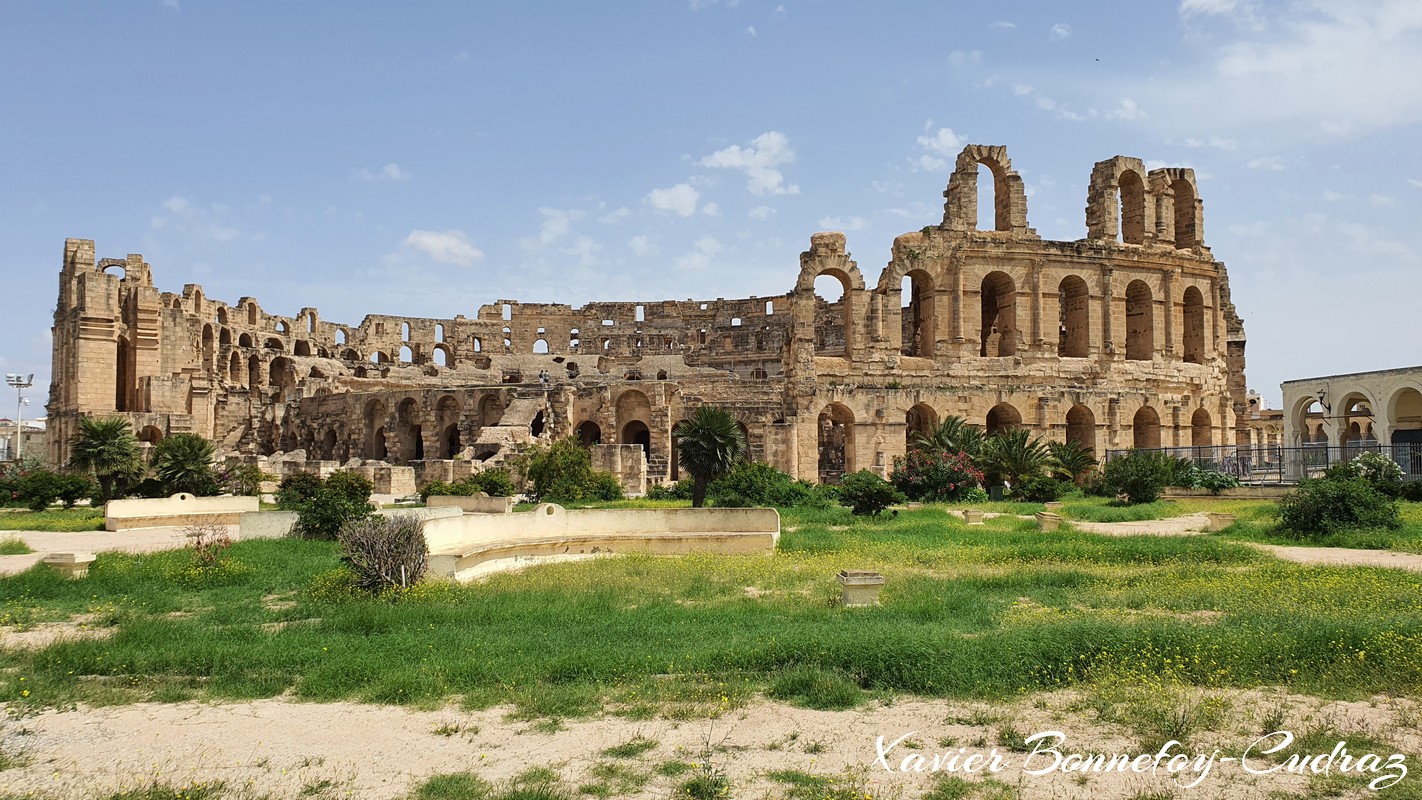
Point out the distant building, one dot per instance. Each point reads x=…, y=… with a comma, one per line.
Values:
x=34, y=436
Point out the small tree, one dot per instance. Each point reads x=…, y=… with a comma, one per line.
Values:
x=935, y=475
x=867, y=494
x=342, y=498
x=106, y=447
x=709, y=444
x=1140, y=475
x=1332, y=504
x=183, y=463
x=1014, y=455
x=562, y=472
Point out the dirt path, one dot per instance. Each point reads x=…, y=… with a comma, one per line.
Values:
x=1345, y=557
x=278, y=749
x=147, y=540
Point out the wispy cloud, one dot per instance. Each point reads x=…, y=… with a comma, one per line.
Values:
x=940, y=147
x=1060, y=31
x=446, y=247
x=389, y=173
x=680, y=199
x=760, y=162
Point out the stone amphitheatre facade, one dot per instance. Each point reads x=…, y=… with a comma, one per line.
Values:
x=1124, y=338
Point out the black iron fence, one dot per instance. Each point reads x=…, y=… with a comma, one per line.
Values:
x=1265, y=464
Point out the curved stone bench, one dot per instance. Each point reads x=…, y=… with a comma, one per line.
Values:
x=461, y=547
x=180, y=510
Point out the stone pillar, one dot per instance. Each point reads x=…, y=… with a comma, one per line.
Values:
x=1108, y=299
x=1169, y=281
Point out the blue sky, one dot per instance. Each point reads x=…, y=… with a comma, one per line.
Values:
x=425, y=158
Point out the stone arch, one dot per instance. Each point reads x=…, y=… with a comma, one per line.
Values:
x=252, y=313
x=491, y=410
x=920, y=419
x=443, y=356
x=918, y=321
x=254, y=371
x=207, y=348
x=637, y=432
x=150, y=434
x=1002, y=418
x=1073, y=318
x=374, y=416
x=282, y=327
x=1187, y=224
x=540, y=346
x=409, y=419
x=1140, y=322
x=407, y=355
x=1009, y=202
x=328, y=444
x=1081, y=427
x=1201, y=429
x=632, y=405
x=1194, y=325
x=834, y=328
x=998, y=335
x=1133, y=205
x=280, y=376
x=245, y=340
x=224, y=337
x=301, y=348
x=275, y=345
x=590, y=433
x=1145, y=429
x=123, y=374
x=221, y=315
x=836, y=442
x=1116, y=202
x=234, y=368
x=1404, y=409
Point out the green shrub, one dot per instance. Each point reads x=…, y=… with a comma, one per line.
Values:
x=1216, y=481
x=39, y=488
x=681, y=490
x=1093, y=484
x=756, y=484
x=242, y=479
x=296, y=490
x=1140, y=475
x=183, y=463
x=150, y=488
x=1040, y=489
x=384, y=552
x=935, y=475
x=494, y=483
x=562, y=472
x=867, y=494
x=1328, y=505
x=342, y=498
x=1412, y=491
x=1380, y=471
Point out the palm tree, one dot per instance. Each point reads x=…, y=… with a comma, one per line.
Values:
x=1014, y=455
x=106, y=447
x=953, y=435
x=183, y=462
x=708, y=444
x=1070, y=459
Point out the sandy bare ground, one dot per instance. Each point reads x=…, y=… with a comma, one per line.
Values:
x=279, y=749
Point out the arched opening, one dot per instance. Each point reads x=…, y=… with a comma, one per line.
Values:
x=917, y=321
x=252, y=314
x=350, y=355
x=1140, y=322
x=340, y=336
x=1186, y=235
x=998, y=336
x=310, y=323
x=245, y=340
x=1081, y=428
x=537, y=425
x=636, y=432
x=540, y=346
x=279, y=376
x=379, y=357
x=1073, y=318
x=478, y=345
x=328, y=445
x=1405, y=419
x=375, y=413
x=447, y=414
x=442, y=357
x=254, y=371
x=745, y=437
x=221, y=316
x=589, y=433
x=301, y=348
x=1357, y=413
x=1194, y=326
x=409, y=429
x=919, y=420
x=207, y=348
x=987, y=199
x=404, y=331
x=1201, y=432
x=1132, y=208
x=1002, y=418
x=150, y=435
x=836, y=443
x=452, y=443
x=633, y=406
x=832, y=322
x=439, y=332
x=234, y=368
x=406, y=354
x=1145, y=429
x=275, y=345
x=574, y=339
x=123, y=375
x=224, y=338
x=282, y=327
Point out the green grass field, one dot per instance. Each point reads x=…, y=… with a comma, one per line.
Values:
x=74, y=519
x=982, y=612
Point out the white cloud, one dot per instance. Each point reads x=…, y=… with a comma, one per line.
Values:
x=1415, y=182
x=759, y=162
x=1060, y=31
x=1265, y=162
x=642, y=246
x=178, y=205
x=700, y=256
x=1381, y=200
x=1004, y=25
x=959, y=58
x=1126, y=109
x=446, y=247
x=616, y=215
x=1217, y=142
x=842, y=224
x=750, y=30
x=942, y=148
x=711, y=210
x=389, y=173
x=761, y=212
x=680, y=199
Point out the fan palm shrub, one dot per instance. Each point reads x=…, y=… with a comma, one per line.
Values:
x=106, y=447
x=183, y=463
x=708, y=445
x=1014, y=455
x=952, y=435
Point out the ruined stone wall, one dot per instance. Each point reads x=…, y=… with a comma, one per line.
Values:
x=1127, y=337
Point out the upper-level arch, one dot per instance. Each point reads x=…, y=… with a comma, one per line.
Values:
x=960, y=212
x=1116, y=202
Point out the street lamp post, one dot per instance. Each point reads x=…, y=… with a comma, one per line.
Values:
x=21, y=383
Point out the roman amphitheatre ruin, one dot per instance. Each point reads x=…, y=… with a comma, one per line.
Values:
x=1126, y=337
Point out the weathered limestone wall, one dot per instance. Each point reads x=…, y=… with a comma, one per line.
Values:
x=1126, y=337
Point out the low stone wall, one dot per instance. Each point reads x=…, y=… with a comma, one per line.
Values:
x=458, y=546
x=477, y=503
x=176, y=511
x=1237, y=493
x=276, y=524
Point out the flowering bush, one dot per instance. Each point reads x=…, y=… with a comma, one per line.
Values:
x=936, y=475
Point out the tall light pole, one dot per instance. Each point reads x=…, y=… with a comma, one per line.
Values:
x=21, y=383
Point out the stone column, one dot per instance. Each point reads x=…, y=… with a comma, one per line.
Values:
x=1169, y=279
x=1108, y=299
